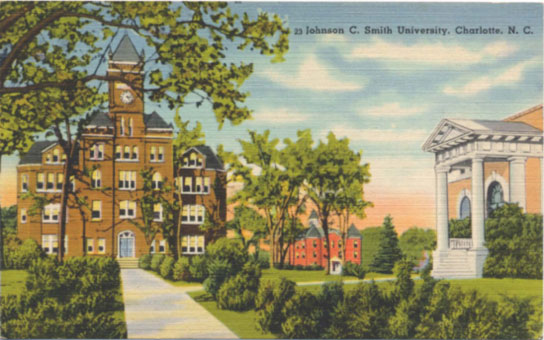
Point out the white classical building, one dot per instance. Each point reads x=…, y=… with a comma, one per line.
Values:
x=479, y=164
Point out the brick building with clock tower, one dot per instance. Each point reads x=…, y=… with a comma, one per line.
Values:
x=113, y=149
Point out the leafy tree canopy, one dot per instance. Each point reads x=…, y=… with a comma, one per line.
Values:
x=416, y=240
x=389, y=251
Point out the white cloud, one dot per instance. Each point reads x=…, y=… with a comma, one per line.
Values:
x=430, y=53
x=279, y=116
x=510, y=76
x=312, y=75
x=378, y=135
x=392, y=110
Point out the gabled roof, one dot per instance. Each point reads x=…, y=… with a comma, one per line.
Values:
x=100, y=119
x=354, y=232
x=154, y=121
x=314, y=231
x=313, y=215
x=126, y=51
x=212, y=160
x=34, y=154
x=453, y=131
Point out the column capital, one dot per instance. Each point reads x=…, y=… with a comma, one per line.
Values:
x=478, y=158
x=517, y=159
x=442, y=168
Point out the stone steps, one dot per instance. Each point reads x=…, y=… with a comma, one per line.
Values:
x=128, y=262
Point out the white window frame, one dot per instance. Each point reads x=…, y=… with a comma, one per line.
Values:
x=99, y=218
x=126, y=215
x=159, y=219
x=162, y=246
x=24, y=183
x=197, y=218
x=157, y=184
x=101, y=243
x=183, y=185
x=192, y=241
x=47, y=211
x=48, y=241
x=42, y=189
x=98, y=183
x=97, y=152
x=127, y=180
x=54, y=182
x=152, y=247
x=24, y=216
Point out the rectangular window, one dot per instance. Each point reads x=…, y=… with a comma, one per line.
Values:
x=162, y=246
x=126, y=154
x=198, y=184
x=51, y=213
x=127, y=209
x=355, y=254
x=101, y=245
x=355, y=244
x=152, y=154
x=192, y=159
x=206, y=188
x=187, y=184
x=152, y=250
x=160, y=156
x=132, y=179
x=157, y=212
x=130, y=127
x=185, y=213
x=135, y=153
x=314, y=243
x=90, y=245
x=96, y=213
x=40, y=185
x=56, y=157
x=50, y=181
x=192, y=244
x=23, y=216
x=118, y=152
x=127, y=180
x=60, y=181
x=97, y=152
x=122, y=126
x=193, y=214
x=24, y=183
x=199, y=162
x=50, y=243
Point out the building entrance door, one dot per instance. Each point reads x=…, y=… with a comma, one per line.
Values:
x=126, y=244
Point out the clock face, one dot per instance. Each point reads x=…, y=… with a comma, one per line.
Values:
x=127, y=97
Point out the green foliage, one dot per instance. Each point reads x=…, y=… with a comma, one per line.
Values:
x=302, y=314
x=414, y=241
x=460, y=228
x=21, y=256
x=388, y=252
x=404, y=284
x=9, y=220
x=73, y=300
x=514, y=241
x=166, y=267
x=353, y=269
x=271, y=298
x=144, y=261
x=370, y=245
x=230, y=251
x=180, y=271
x=197, y=268
x=156, y=262
x=246, y=218
x=263, y=259
x=218, y=272
x=239, y=292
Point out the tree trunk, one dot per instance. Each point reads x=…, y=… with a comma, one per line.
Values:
x=325, y=224
x=64, y=203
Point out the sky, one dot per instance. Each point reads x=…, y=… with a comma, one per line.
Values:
x=385, y=92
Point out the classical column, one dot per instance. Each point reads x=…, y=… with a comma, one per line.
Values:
x=478, y=204
x=517, y=181
x=441, y=174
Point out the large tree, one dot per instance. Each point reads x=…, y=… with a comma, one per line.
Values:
x=332, y=168
x=51, y=53
x=389, y=251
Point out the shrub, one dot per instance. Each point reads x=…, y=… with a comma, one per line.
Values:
x=166, y=267
x=229, y=250
x=156, y=262
x=218, y=272
x=239, y=292
x=145, y=261
x=271, y=298
x=353, y=269
x=24, y=254
x=181, y=270
x=302, y=314
x=514, y=240
x=314, y=266
x=198, y=268
x=460, y=228
x=263, y=259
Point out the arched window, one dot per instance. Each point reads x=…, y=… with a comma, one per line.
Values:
x=464, y=209
x=96, y=180
x=157, y=181
x=495, y=196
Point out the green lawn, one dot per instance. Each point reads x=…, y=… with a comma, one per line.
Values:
x=176, y=283
x=12, y=281
x=243, y=323
x=313, y=275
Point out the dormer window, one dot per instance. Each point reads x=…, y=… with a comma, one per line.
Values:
x=192, y=159
x=56, y=156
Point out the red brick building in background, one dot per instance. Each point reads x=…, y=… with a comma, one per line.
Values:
x=113, y=148
x=311, y=247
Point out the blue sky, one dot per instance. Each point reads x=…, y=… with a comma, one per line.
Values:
x=384, y=92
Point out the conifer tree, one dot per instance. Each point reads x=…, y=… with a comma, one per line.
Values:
x=389, y=251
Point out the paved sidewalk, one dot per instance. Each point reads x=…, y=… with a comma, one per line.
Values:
x=157, y=309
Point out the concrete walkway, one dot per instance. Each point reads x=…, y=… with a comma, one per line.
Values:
x=156, y=309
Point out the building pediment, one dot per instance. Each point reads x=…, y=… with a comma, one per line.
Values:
x=446, y=131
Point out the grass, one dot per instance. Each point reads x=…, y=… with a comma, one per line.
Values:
x=240, y=323
x=119, y=313
x=12, y=281
x=243, y=323
x=313, y=275
x=176, y=283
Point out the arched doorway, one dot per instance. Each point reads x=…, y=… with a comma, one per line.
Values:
x=126, y=244
x=495, y=197
x=464, y=208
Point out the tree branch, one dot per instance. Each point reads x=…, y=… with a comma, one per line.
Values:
x=9, y=21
